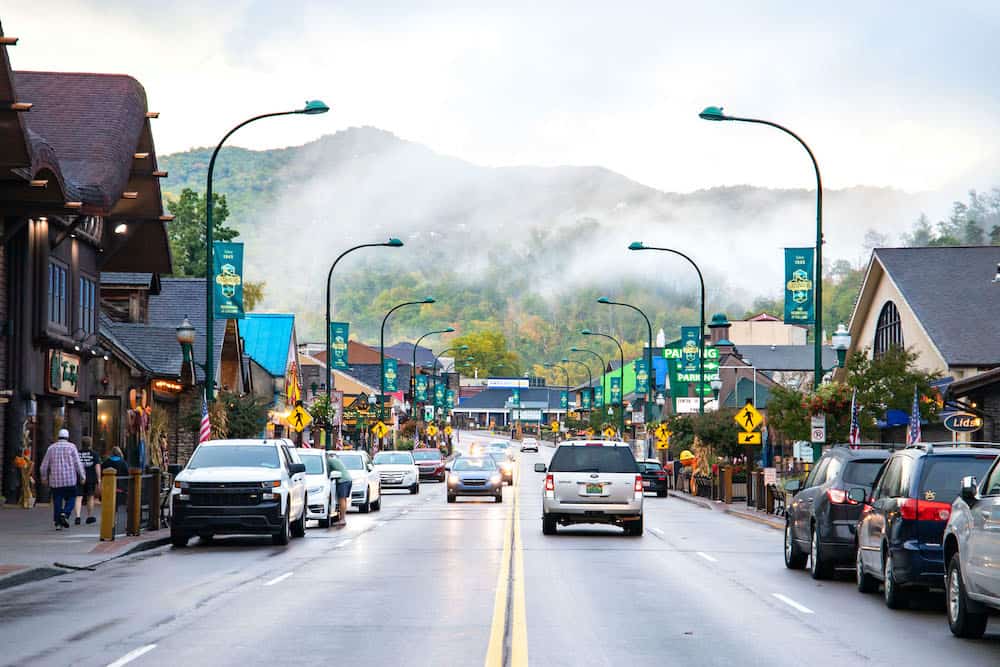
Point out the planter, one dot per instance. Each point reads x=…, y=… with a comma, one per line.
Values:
x=739, y=490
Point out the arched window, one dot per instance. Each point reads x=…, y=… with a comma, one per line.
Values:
x=888, y=331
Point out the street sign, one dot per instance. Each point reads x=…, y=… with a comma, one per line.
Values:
x=555, y=427
x=428, y=413
x=663, y=444
x=818, y=428
x=299, y=419
x=770, y=476
x=380, y=430
x=638, y=417
x=662, y=432
x=609, y=433
x=803, y=451
x=749, y=438
x=432, y=430
x=448, y=431
x=749, y=418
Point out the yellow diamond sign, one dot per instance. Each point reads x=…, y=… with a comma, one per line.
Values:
x=555, y=427
x=749, y=418
x=432, y=430
x=609, y=433
x=380, y=430
x=299, y=419
x=448, y=430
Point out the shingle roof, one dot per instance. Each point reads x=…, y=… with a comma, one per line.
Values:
x=123, y=278
x=951, y=292
x=404, y=353
x=369, y=374
x=785, y=357
x=266, y=338
x=496, y=398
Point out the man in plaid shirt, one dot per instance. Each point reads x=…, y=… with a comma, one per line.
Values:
x=61, y=470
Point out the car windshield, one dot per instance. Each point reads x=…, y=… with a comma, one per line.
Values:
x=352, y=461
x=429, y=455
x=314, y=463
x=475, y=463
x=235, y=456
x=941, y=479
x=862, y=473
x=393, y=458
x=651, y=467
x=593, y=459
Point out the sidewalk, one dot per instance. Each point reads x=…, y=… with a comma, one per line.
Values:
x=738, y=509
x=32, y=549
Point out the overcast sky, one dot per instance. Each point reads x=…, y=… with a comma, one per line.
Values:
x=901, y=94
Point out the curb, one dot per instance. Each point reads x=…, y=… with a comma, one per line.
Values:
x=688, y=499
x=756, y=519
x=711, y=505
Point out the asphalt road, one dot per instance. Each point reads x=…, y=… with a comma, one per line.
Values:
x=427, y=583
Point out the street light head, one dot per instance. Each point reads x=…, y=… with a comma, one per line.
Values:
x=636, y=245
x=575, y=349
x=393, y=243
x=548, y=365
x=604, y=299
x=448, y=330
x=185, y=332
x=712, y=113
x=564, y=360
x=586, y=332
x=462, y=347
x=428, y=299
x=314, y=107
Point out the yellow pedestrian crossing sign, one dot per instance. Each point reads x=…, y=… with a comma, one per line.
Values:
x=749, y=438
x=432, y=430
x=555, y=427
x=448, y=430
x=749, y=418
x=609, y=433
x=663, y=444
x=299, y=419
x=662, y=432
x=380, y=430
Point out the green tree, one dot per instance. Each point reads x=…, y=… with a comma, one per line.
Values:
x=186, y=231
x=921, y=235
x=887, y=383
x=246, y=415
x=253, y=294
x=489, y=350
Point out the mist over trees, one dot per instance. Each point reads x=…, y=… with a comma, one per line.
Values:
x=975, y=222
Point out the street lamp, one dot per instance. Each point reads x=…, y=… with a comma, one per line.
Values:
x=311, y=108
x=381, y=351
x=621, y=375
x=639, y=245
x=716, y=114
x=841, y=343
x=566, y=376
x=413, y=367
x=590, y=377
x=716, y=388
x=649, y=353
x=604, y=367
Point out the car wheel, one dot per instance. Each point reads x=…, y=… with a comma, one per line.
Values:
x=499, y=496
x=179, y=539
x=548, y=526
x=895, y=596
x=377, y=505
x=415, y=489
x=366, y=506
x=285, y=536
x=866, y=582
x=819, y=566
x=299, y=527
x=795, y=559
x=963, y=622
x=325, y=523
x=634, y=528
x=451, y=497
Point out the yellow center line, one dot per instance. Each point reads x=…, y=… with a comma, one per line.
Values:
x=519, y=627
x=505, y=585
x=494, y=653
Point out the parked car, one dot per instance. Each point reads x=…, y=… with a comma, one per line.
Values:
x=506, y=466
x=972, y=552
x=529, y=445
x=430, y=463
x=397, y=470
x=239, y=487
x=654, y=477
x=475, y=476
x=592, y=482
x=821, y=519
x=366, y=490
x=321, y=493
x=901, y=532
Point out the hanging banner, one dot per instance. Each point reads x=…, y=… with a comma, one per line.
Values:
x=338, y=344
x=421, y=389
x=585, y=399
x=616, y=390
x=390, y=375
x=449, y=399
x=641, y=377
x=439, y=395
x=515, y=397
x=227, y=280
x=800, y=304
x=563, y=400
x=599, y=396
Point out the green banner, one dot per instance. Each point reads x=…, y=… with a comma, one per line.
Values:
x=338, y=344
x=449, y=399
x=421, y=388
x=439, y=394
x=800, y=301
x=599, y=396
x=227, y=280
x=390, y=375
x=515, y=398
x=616, y=390
x=641, y=377
x=563, y=400
x=683, y=364
x=585, y=399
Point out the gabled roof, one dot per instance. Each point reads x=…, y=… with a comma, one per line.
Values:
x=785, y=357
x=267, y=337
x=150, y=281
x=403, y=351
x=369, y=374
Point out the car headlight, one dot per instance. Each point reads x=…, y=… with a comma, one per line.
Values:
x=453, y=479
x=495, y=478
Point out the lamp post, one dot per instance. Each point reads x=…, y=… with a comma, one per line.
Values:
x=649, y=354
x=413, y=366
x=381, y=352
x=621, y=376
x=566, y=377
x=604, y=367
x=841, y=343
x=590, y=377
x=185, y=337
x=639, y=245
x=716, y=114
x=311, y=108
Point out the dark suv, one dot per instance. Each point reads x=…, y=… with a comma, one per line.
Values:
x=902, y=523
x=820, y=522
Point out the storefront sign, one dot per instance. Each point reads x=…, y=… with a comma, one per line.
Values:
x=799, y=288
x=338, y=344
x=227, y=279
x=390, y=374
x=167, y=387
x=64, y=373
x=421, y=388
x=962, y=422
x=506, y=383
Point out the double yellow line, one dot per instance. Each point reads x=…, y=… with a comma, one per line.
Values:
x=510, y=596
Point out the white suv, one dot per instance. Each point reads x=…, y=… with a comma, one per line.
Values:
x=239, y=487
x=529, y=444
x=592, y=482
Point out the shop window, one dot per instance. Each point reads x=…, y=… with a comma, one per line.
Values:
x=888, y=330
x=87, y=310
x=58, y=302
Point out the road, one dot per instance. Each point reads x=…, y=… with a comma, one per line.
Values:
x=427, y=583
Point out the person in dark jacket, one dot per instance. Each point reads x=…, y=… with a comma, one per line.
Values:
x=92, y=473
x=116, y=462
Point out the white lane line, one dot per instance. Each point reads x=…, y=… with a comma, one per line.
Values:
x=710, y=559
x=346, y=542
x=132, y=655
x=278, y=580
x=657, y=531
x=405, y=512
x=792, y=603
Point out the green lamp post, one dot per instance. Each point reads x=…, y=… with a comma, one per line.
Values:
x=381, y=351
x=413, y=366
x=648, y=411
x=621, y=376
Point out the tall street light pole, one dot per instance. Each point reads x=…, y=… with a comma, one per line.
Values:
x=639, y=245
x=716, y=114
x=590, y=377
x=621, y=377
x=648, y=412
x=381, y=352
x=311, y=108
x=604, y=365
x=437, y=357
x=413, y=367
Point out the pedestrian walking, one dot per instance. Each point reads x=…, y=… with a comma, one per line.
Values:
x=62, y=470
x=86, y=491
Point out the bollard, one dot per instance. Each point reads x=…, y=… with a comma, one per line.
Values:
x=134, y=501
x=154, y=502
x=109, y=487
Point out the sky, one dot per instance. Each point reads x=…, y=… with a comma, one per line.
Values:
x=899, y=94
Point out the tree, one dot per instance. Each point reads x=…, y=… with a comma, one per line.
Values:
x=246, y=415
x=888, y=383
x=874, y=239
x=253, y=294
x=922, y=234
x=186, y=231
x=489, y=351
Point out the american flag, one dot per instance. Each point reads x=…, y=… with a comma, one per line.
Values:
x=913, y=431
x=205, y=433
x=854, y=437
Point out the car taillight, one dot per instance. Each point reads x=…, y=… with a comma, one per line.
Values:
x=926, y=510
x=550, y=483
x=638, y=484
x=661, y=475
x=839, y=497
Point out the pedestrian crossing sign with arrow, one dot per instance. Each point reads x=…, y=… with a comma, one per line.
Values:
x=380, y=430
x=749, y=438
x=432, y=430
x=749, y=418
x=555, y=427
x=299, y=419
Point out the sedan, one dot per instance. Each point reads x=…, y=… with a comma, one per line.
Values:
x=654, y=478
x=430, y=462
x=475, y=476
x=366, y=487
x=529, y=445
x=506, y=466
x=397, y=470
x=321, y=503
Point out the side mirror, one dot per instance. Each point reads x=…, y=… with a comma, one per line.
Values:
x=793, y=486
x=970, y=489
x=539, y=467
x=296, y=468
x=335, y=475
x=858, y=495
x=174, y=469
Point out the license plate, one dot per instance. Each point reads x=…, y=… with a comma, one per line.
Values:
x=647, y=484
x=595, y=488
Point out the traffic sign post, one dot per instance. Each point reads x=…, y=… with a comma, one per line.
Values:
x=749, y=438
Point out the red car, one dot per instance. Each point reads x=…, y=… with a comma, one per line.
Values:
x=430, y=463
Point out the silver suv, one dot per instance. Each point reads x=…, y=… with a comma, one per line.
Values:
x=592, y=482
x=971, y=552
